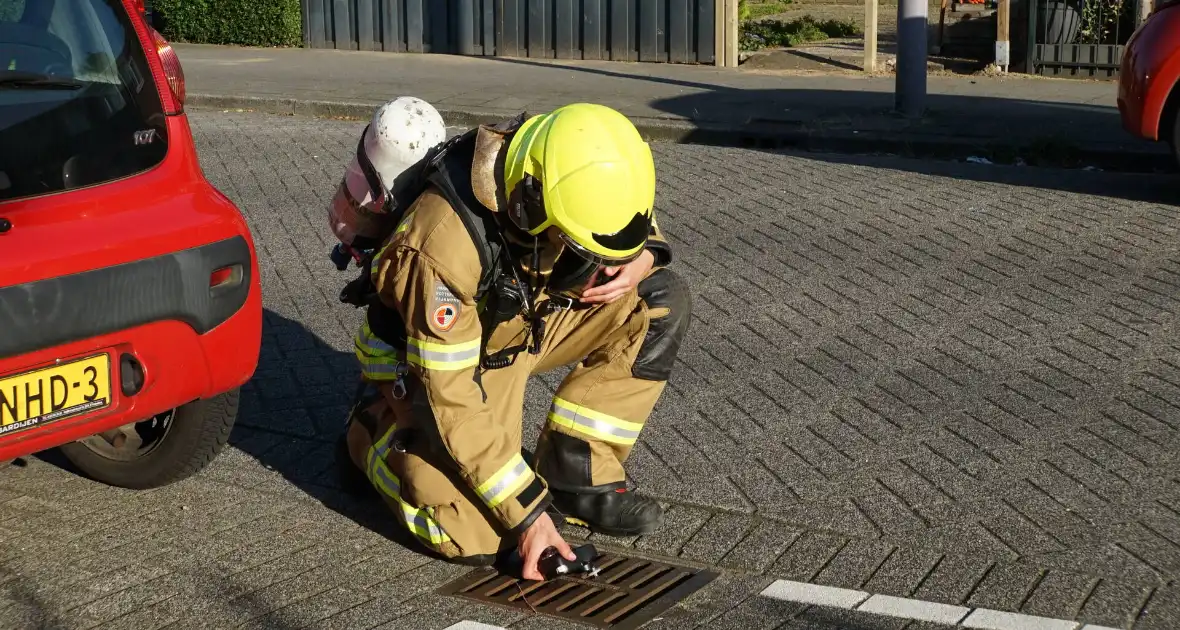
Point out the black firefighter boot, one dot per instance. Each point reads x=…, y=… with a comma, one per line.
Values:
x=612, y=509
x=618, y=512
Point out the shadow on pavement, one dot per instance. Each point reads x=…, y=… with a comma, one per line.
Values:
x=1145, y=188
x=970, y=113
x=292, y=413
x=1043, y=122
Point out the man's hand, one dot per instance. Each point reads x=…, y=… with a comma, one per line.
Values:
x=540, y=536
x=625, y=279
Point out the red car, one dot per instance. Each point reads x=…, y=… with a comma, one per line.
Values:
x=1148, y=99
x=130, y=304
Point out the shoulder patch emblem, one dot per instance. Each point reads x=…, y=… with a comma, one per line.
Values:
x=444, y=317
x=445, y=311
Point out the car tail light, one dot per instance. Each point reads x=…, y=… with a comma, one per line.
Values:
x=172, y=68
x=225, y=277
x=166, y=70
x=220, y=277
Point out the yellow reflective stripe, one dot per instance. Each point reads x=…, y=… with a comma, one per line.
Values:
x=594, y=423
x=401, y=227
x=372, y=344
x=379, y=360
x=418, y=520
x=379, y=369
x=443, y=357
x=405, y=224
x=506, y=482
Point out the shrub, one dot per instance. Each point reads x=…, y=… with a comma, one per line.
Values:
x=240, y=22
x=777, y=33
x=10, y=10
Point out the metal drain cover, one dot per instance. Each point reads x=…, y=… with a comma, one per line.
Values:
x=628, y=593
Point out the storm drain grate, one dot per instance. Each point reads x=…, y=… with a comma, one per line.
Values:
x=626, y=594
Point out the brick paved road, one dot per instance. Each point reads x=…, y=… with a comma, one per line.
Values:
x=948, y=382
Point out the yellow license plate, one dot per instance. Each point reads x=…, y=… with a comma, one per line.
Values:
x=54, y=393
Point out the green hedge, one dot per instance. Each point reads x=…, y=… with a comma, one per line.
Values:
x=240, y=22
x=10, y=10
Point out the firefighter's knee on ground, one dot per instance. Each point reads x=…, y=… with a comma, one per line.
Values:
x=669, y=304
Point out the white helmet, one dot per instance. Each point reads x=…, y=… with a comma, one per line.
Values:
x=400, y=135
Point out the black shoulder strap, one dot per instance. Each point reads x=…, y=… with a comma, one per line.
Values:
x=450, y=172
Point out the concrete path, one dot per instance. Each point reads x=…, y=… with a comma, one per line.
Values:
x=838, y=111
x=948, y=383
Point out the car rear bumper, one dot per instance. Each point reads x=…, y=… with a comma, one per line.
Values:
x=191, y=341
x=179, y=366
x=58, y=310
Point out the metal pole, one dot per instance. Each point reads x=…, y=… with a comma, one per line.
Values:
x=911, y=57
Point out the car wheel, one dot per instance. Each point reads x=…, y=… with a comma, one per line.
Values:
x=1174, y=135
x=161, y=450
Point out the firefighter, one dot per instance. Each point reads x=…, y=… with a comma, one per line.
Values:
x=532, y=246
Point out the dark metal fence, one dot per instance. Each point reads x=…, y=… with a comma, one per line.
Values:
x=676, y=31
x=1080, y=38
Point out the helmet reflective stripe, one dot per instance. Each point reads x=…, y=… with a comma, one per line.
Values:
x=596, y=180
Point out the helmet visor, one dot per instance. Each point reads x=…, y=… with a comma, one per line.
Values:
x=630, y=239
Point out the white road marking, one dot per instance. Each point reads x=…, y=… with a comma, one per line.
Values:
x=814, y=594
x=916, y=609
x=999, y=620
x=472, y=625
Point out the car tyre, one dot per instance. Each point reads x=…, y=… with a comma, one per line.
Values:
x=1174, y=134
x=195, y=434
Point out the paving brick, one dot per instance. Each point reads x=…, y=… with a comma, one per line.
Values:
x=953, y=579
x=1113, y=604
x=681, y=523
x=941, y=362
x=807, y=556
x=758, y=550
x=816, y=618
x=757, y=612
x=716, y=538
x=1060, y=595
x=855, y=563
x=1006, y=587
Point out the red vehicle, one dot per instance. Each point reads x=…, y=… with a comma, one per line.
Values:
x=1149, y=100
x=130, y=304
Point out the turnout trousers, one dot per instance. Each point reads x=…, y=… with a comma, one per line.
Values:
x=622, y=354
